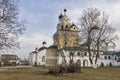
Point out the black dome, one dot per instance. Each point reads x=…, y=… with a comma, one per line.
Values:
x=65, y=10
x=42, y=48
x=60, y=16
x=44, y=42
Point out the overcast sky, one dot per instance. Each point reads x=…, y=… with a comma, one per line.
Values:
x=42, y=19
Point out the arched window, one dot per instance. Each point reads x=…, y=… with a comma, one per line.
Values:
x=66, y=27
x=85, y=54
x=78, y=62
x=61, y=27
x=85, y=63
x=118, y=60
x=71, y=54
x=102, y=64
x=105, y=57
x=74, y=27
x=78, y=53
x=115, y=58
x=110, y=65
x=108, y=57
x=43, y=58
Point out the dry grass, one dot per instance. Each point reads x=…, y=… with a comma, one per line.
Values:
x=41, y=74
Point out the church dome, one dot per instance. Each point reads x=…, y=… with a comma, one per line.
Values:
x=65, y=10
x=40, y=49
x=44, y=42
x=60, y=16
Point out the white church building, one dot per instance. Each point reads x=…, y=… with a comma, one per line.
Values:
x=38, y=57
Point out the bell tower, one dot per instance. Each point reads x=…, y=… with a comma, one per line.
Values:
x=67, y=34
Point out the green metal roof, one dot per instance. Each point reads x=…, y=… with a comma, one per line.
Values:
x=108, y=52
x=53, y=46
x=81, y=48
x=75, y=48
x=117, y=54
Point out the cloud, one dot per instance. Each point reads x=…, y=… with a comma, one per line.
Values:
x=111, y=8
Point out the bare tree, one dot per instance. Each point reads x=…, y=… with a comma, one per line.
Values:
x=96, y=31
x=10, y=26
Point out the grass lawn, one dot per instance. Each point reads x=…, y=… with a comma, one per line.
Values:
x=112, y=73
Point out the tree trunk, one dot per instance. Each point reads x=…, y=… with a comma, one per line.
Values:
x=90, y=59
x=97, y=55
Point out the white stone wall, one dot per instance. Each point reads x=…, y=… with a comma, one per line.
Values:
x=32, y=58
x=40, y=57
x=84, y=59
x=107, y=61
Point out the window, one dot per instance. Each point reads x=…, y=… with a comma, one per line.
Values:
x=118, y=59
x=78, y=54
x=115, y=58
x=74, y=27
x=71, y=53
x=102, y=64
x=43, y=58
x=105, y=57
x=85, y=54
x=61, y=27
x=108, y=57
x=66, y=26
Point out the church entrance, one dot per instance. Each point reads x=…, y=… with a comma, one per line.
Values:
x=85, y=63
x=78, y=66
x=78, y=62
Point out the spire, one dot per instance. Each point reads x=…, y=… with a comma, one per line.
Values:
x=60, y=16
x=73, y=24
x=44, y=43
x=65, y=10
x=36, y=49
x=63, y=20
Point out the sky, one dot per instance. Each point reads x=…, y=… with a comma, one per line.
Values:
x=42, y=17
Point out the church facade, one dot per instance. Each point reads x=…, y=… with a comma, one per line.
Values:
x=38, y=56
